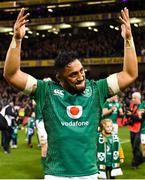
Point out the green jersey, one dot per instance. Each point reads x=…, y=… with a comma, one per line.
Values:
x=71, y=122
x=38, y=113
x=142, y=106
x=31, y=123
x=114, y=115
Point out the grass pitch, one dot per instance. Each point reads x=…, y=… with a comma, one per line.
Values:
x=128, y=172
x=25, y=162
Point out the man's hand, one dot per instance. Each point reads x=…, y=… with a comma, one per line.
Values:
x=19, y=27
x=126, y=27
x=114, y=108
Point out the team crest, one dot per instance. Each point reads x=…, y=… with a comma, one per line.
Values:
x=115, y=155
x=74, y=112
x=101, y=140
x=101, y=156
x=87, y=92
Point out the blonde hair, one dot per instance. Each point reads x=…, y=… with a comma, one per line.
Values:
x=102, y=122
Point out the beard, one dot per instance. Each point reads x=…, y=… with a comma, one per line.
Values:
x=77, y=88
x=80, y=87
x=74, y=87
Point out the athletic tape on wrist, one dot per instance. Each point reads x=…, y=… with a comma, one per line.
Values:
x=130, y=43
x=13, y=43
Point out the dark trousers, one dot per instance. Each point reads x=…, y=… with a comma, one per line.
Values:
x=108, y=172
x=6, y=138
x=14, y=140
x=3, y=123
x=136, y=151
x=30, y=139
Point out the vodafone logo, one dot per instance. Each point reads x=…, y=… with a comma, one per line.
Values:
x=74, y=112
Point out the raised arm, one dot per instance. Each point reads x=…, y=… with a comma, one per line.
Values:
x=130, y=65
x=12, y=72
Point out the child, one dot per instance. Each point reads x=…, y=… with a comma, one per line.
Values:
x=30, y=129
x=14, y=136
x=109, y=151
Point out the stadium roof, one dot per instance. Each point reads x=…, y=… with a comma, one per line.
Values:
x=55, y=15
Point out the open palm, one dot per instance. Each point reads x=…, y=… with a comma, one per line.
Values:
x=19, y=27
x=125, y=27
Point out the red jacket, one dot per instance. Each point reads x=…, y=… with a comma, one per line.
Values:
x=136, y=125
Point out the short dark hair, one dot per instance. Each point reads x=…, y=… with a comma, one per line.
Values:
x=64, y=58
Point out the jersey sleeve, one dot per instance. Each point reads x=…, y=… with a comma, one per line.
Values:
x=38, y=113
x=103, y=91
x=40, y=93
x=105, y=105
x=142, y=106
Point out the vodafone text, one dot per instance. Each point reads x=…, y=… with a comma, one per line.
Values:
x=76, y=123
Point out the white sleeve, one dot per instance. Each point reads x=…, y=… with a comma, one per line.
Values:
x=112, y=82
x=31, y=81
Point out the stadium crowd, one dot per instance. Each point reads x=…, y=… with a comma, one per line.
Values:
x=83, y=42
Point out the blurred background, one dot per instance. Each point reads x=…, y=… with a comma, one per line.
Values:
x=91, y=28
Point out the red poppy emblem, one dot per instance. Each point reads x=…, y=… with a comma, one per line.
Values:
x=74, y=112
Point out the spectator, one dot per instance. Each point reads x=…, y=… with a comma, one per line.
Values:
x=9, y=114
x=134, y=125
x=109, y=151
x=30, y=129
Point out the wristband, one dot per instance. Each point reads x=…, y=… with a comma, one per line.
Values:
x=13, y=43
x=129, y=43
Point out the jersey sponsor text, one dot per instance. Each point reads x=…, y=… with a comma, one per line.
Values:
x=75, y=123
